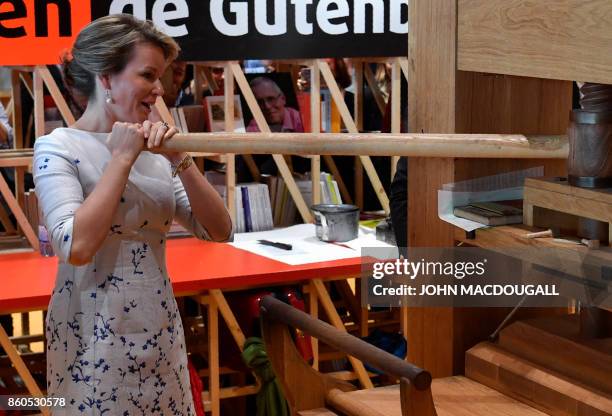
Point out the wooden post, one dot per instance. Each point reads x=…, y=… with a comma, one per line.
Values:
x=352, y=128
x=358, y=111
x=376, y=93
x=39, y=105
x=396, y=106
x=263, y=127
x=17, y=112
x=315, y=127
x=431, y=92
x=332, y=313
x=54, y=90
x=230, y=167
x=213, y=357
x=314, y=312
x=21, y=368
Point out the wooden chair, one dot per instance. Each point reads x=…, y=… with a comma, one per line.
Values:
x=310, y=393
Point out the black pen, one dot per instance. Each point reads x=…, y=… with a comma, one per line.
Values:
x=276, y=244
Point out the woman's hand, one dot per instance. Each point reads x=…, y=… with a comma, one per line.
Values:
x=155, y=134
x=126, y=141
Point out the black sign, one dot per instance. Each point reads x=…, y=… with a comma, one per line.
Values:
x=210, y=30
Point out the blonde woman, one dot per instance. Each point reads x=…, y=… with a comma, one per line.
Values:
x=115, y=342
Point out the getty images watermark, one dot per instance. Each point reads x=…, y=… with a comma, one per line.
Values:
x=474, y=277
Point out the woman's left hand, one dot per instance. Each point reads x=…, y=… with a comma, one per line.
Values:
x=156, y=134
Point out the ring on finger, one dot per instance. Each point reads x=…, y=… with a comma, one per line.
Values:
x=165, y=125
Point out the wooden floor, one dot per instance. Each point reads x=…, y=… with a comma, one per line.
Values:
x=453, y=396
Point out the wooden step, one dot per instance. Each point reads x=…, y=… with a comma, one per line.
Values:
x=555, y=343
x=452, y=396
x=535, y=385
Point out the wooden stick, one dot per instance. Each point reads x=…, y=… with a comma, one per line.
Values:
x=6, y=222
x=54, y=90
x=371, y=79
x=377, y=144
x=278, y=158
x=229, y=317
x=315, y=127
x=21, y=368
x=358, y=112
x=352, y=128
x=315, y=102
x=26, y=78
x=404, y=65
x=23, y=222
x=335, y=320
x=230, y=168
x=213, y=357
x=39, y=105
x=9, y=109
x=17, y=110
x=396, y=106
x=314, y=312
x=210, y=80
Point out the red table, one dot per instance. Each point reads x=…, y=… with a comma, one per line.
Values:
x=27, y=279
x=196, y=268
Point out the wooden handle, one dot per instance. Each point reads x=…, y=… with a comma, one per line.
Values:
x=374, y=144
x=547, y=233
x=274, y=309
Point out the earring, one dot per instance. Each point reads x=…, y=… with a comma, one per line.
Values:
x=109, y=98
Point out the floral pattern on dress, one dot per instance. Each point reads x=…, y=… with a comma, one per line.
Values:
x=115, y=341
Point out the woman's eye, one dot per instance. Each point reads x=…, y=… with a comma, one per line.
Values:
x=149, y=75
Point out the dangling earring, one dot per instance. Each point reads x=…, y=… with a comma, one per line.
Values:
x=109, y=98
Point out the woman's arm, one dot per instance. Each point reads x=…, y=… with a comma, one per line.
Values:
x=206, y=204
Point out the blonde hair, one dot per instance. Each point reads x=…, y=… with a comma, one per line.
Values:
x=105, y=46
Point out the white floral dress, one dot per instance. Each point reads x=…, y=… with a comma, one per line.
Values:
x=115, y=342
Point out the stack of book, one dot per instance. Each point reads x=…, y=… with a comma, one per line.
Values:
x=253, y=208
x=285, y=210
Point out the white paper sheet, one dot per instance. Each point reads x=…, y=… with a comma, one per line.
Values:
x=306, y=247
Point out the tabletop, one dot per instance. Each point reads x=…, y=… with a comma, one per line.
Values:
x=27, y=279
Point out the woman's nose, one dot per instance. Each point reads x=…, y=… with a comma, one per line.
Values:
x=159, y=88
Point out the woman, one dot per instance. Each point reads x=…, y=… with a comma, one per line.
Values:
x=115, y=341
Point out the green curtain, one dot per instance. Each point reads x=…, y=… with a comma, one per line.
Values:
x=270, y=399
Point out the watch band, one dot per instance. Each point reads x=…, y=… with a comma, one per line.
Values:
x=183, y=164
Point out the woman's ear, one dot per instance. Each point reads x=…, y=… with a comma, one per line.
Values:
x=105, y=81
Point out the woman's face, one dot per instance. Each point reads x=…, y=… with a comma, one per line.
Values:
x=135, y=89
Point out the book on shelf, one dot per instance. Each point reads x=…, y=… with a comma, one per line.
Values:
x=490, y=213
x=263, y=206
x=330, y=115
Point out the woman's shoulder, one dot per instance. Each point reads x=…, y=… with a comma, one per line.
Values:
x=58, y=141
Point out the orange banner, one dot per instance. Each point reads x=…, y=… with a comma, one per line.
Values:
x=36, y=32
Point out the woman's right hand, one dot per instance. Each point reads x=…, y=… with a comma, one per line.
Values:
x=126, y=141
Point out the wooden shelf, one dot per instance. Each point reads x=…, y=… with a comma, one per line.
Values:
x=569, y=258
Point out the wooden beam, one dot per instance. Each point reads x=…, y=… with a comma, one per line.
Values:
x=352, y=128
x=332, y=313
x=371, y=80
x=54, y=90
x=22, y=220
x=213, y=357
x=21, y=368
x=515, y=38
x=377, y=144
x=431, y=100
x=396, y=106
x=278, y=157
x=230, y=168
x=39, y=105
x=17, y=110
